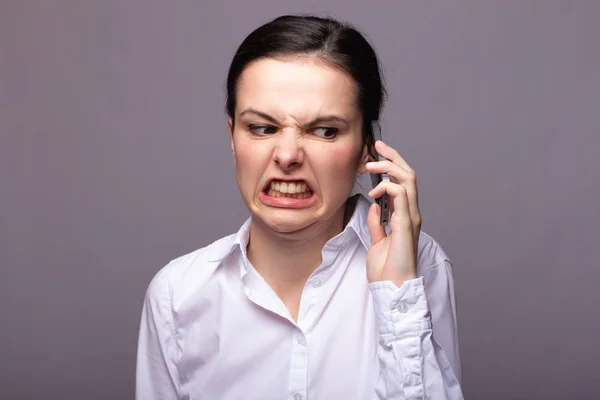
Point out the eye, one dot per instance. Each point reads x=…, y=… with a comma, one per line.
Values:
x=326, y=133
x=262, y=130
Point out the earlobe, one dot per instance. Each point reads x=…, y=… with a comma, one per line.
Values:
x=230, y=125
x=364, y=158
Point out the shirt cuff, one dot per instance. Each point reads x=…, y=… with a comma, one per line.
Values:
x=400, y=311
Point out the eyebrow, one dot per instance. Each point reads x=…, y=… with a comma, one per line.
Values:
x=318, y=120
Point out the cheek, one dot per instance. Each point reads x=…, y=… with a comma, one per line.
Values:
x=342, y=164
x=250, y=161
x=347, y=156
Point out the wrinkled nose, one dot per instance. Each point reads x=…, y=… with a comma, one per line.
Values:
x=288, y=153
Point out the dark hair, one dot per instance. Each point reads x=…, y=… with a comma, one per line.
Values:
x=337, y=43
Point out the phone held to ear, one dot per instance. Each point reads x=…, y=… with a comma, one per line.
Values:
x=383, y=200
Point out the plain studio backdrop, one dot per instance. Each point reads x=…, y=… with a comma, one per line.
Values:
x=114, y=159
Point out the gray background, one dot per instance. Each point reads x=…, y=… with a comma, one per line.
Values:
x=114, y=159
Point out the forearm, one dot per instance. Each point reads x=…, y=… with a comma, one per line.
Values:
x=412, y=365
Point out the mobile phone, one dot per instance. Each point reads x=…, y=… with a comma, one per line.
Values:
x=383, y=200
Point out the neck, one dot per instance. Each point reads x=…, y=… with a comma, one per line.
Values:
x=286, y=260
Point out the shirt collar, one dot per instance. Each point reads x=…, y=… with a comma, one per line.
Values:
x=357, y=225
x=358, y=221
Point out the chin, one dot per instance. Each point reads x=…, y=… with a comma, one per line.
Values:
x=284, y=223
x=288, y=220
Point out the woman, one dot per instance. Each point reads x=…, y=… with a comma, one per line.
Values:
x=311, y=299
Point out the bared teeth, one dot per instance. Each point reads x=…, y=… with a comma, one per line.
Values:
x=289, y=187
x=275, y=193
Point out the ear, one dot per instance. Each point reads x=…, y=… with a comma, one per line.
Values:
x=230, y=125
x=364, y=158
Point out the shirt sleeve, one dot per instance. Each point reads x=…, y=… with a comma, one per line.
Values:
x=439, y=288
x=156, y=372
x=412, y=364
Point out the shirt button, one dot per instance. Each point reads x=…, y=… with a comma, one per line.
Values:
x=302, y=341
x=297, y=396
x=402, y=307
x=317, y=283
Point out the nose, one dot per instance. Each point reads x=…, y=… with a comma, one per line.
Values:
x=288, y=152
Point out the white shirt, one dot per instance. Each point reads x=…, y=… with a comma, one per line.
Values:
x=213, y=329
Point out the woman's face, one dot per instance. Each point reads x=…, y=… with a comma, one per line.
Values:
x=297, y=130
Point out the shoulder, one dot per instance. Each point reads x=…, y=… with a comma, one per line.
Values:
x=430, y=254
x=189, y=271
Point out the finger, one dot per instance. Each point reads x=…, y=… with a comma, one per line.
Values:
x=399, y=169
x=401, y=217
x=391, y=154
x=393, y=189
x=394, y=170
x=376, y=230
x=401, y=175
x=407, y=177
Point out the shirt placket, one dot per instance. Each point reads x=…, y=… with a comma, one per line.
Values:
x=311, y=303
x=299, y=366
x=300, y=348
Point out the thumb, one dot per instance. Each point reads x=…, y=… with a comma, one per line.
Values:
x=376, y=230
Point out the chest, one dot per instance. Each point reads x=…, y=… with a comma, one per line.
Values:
x=239, y=348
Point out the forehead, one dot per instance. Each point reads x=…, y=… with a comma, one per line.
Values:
x=303, y=87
